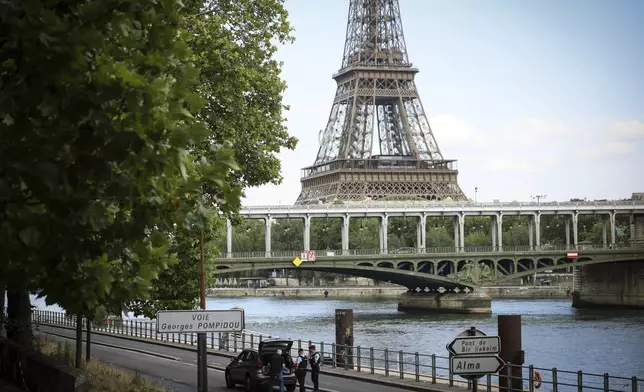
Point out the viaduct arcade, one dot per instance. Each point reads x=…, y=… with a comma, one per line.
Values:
x=458, y=213
x=607, y=283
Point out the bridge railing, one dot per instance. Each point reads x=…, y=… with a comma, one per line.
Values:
x=510, y=249
x=420, y=367
x=384, y=206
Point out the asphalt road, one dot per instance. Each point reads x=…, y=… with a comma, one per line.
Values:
x=177, y=369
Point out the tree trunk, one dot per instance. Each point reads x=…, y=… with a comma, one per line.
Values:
x=2, y=306
x=88, y=344
x=79, y=340
x=19, y=317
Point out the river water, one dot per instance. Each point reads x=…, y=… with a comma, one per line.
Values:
x=554, y=334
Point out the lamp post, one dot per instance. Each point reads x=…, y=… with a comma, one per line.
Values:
x=202, y=350
x=538, y=198
x=476, y=190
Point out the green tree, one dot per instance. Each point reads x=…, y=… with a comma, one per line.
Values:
x=178, y=286
x=96, y=165
x=234, y=43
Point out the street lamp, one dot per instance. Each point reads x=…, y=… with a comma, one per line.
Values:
x=476, y=190
x=538, y=198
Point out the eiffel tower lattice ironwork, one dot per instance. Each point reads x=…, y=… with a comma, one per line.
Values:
x=377, y=98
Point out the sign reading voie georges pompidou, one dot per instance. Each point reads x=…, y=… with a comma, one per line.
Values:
x=186, y=321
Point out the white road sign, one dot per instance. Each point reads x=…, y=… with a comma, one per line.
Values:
x=186, y=321
x=475, y=345
x=475, y=364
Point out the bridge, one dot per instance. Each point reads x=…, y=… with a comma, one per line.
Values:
x=571, y=211
x=436, y=269
x=446, y=279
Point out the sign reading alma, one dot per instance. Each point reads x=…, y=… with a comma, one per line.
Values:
x=186, y=321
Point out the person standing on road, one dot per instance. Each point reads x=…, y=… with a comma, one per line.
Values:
x=301, y=362
x=315, y=358
x=277, y=364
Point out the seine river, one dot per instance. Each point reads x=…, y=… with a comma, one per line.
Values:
x=554, y=333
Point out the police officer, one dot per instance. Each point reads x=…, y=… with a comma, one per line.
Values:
x=315, y=358
x=301, y=362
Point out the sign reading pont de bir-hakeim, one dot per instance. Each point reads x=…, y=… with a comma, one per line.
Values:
x=186, y=321
x=474, y=354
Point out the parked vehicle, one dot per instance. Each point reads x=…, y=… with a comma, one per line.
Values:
x=250, y=367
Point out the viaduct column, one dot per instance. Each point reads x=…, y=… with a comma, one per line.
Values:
x=613, y=228
x=493, y=229
x=267, y=235
x=604, y=231
x=345, y=234
x=575, y=229
x=531, y=231
x=384, y=221
x=229, y=238
x=456, y=232
x=461, y=232
x=499, y=230
x=421, y=234
x=537, y=229
x=307, y=232
x=567, y=227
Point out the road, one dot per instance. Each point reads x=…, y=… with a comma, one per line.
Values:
x=177, y=369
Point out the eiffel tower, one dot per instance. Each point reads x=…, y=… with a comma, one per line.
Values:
x=376, y=95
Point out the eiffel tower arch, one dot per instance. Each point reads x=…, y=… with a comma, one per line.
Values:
x=378, y=144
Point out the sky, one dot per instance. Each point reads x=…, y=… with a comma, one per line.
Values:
x=532, y=97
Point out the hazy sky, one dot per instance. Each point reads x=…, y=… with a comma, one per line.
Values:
x=531, y=96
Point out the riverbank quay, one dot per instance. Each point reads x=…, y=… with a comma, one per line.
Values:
x=411, y=371
x=496, y=292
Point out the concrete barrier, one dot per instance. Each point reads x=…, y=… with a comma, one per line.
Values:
x=37, y=372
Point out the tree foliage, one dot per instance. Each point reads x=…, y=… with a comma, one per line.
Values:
x=233, y=44
x=178, y=286
x=97, y=140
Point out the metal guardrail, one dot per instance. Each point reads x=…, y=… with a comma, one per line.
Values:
x=429, y=368
x=445, y=250
x=434, y=206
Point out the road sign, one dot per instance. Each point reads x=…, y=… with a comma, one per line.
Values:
x=572, y=254
x=297, y=261
x=186, y=321
x=475, y=365
x=473, y=354
x=310, y=255
x=475, y=345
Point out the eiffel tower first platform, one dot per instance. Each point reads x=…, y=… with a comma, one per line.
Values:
x=377, y=99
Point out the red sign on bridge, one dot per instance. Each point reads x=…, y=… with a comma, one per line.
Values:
x=572, y=254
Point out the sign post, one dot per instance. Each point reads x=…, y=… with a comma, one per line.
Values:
x=473, y=354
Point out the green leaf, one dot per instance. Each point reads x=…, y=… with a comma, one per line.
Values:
x=30, y=236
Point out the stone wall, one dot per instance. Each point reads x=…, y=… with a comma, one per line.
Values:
x=611, y=284
x=39, y=372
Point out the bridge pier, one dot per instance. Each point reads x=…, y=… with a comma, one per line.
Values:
x=613, y=284
x=464, y=303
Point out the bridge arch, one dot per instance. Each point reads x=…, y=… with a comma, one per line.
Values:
x=505, y=267
x=406, y=265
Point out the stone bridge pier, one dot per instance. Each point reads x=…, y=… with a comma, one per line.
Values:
x=618, y=284
x=448, y=302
